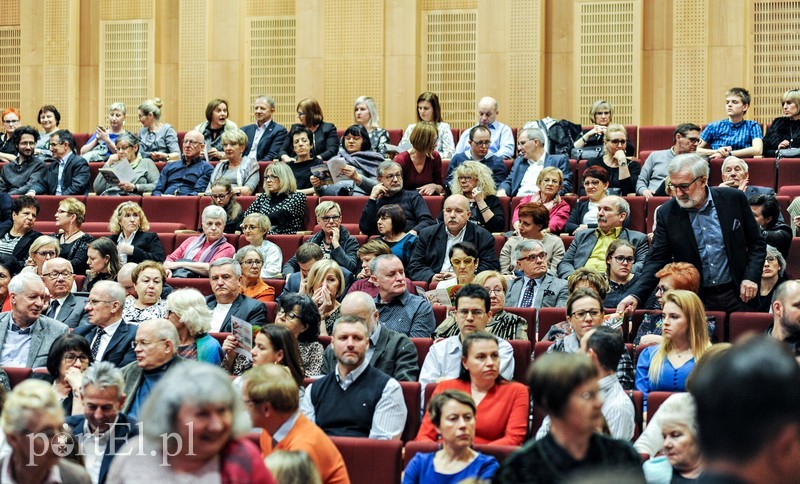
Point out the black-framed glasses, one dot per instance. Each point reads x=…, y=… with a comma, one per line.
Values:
x=69, y=358
x=534, y=257
x=621, y=258
x=46, y=253
x=252, y=262
x=331, y=218
x=684, y=186
x=144, y=343
x=96, y=302
x=483, y=143
x=475, y=312
x=191, y=142
x=594, y=313
x=55, y=274
x=393, y=176
x=287, y=314
x=220, y=196
x=618, y=141
x=662, y=289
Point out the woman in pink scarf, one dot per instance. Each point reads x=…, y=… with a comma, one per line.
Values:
x=197, y=253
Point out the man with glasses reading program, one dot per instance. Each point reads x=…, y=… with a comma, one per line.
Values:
x=710, y=228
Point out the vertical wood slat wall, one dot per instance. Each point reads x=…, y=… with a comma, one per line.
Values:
x=658, y=62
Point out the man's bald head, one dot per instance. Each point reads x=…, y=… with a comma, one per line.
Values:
x=361, y=304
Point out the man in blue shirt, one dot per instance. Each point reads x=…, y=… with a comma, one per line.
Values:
x=479, y=141
x=191, y=174
x=502, y=144
x=733, y=136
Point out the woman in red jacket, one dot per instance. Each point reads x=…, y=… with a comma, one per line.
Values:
x=503, y=406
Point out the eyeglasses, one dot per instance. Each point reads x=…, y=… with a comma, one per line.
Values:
x=588, y=396
x=534, y=257
x=495, y=290
x=144, y=343
x=771, y=258
x=287, y=314
x=621, y=258
x=11, y=121
x=252, y=262
x=46, y=253
x=662, y=289
x=250, y=227
x=56, y=275
x=220, y=197
x=330, y=218
x=582, y=314
x=465, y=179
x=60, y=210
x=124, y=147
x=393, y=176
x=475, y=312
x=593, y=183
x=618, y=141
x=191, y=142
x=483, y=143
x=602, y=113
x=466, y=261
x=69, y=358
x=271, y=177
x=95, y=302
x=300, y=114
x=692, y=140
x=684, y=186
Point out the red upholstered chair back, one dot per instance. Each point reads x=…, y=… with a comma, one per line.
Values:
x=17, y=375
x=368, y=460
x=412, y=394
x=654, y=401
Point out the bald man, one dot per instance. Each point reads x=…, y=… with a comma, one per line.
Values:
x=502, y=145
x=191, y=174
x=430, y=262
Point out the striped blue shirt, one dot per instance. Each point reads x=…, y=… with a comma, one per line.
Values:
x=738, y=136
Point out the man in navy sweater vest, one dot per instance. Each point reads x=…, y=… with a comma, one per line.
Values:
x=357, y=399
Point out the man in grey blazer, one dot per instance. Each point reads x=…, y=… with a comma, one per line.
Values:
x=64, y=306
x=391, y=352
x=612, y=211
x=536, y=288
x=225, y=275
x=25, y=333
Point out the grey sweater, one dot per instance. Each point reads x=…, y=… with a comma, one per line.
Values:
x=17, y=179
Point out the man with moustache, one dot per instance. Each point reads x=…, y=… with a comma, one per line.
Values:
x=389, y=190
x=17, y=177
x=786, y=314
x=710, y=228
x=430, y=262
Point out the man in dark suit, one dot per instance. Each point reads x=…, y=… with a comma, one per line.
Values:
x=106, y=331
x=267, y=135
x=736, y=174
x=67, y=173
x=64, y=306
x=430, y=262
x=102, y=397
x=711, y=228
x=393, y=353
x=227, y=300
x=536, y=288
x=531, y=142
x=590, y=246
x=25, y=333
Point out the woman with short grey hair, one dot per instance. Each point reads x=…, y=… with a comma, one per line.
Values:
x=195, y=428
x=772, y=275
x=187, y=310
x=193, y=257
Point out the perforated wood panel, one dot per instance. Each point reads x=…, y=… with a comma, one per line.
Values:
x=272, y=8
x=9, y=12
x=689, y=61
x=127, y=9
x=526, y=66
x=271, y=64
x=193, y=67
x=127, y=51
x=9, y=66
x=353, y=58
x=449, y=51
x=448, y=4
x=57, y=79
x=609, y=56
x=776, y=56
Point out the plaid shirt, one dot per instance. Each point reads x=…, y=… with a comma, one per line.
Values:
x=570, y=344
x=737, y=136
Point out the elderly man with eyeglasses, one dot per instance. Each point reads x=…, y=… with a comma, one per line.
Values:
x=109, y=336
x=64, y=306
x=191, y=175
x=156, y=347
x=712, y=228
x=389, y=190
x=535, y=288
x=26, y=334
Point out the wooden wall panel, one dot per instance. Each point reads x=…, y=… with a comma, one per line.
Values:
x=10, y=67
x=193, y=73
x=401, y=60
x=271, y=60
x=690, y=62
x=524, y=64
x=776, y=56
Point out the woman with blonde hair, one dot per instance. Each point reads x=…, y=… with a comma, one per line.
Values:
x=73, y=240
x=365, y=113
x=325, y=284
x=474, y=180
x=42, y=249
x=281, y=202
x=334, y=240
x=292, y=467
x=623, y=172
x=157, y=140
x=664, y=367
x=783, y=132
x=103, y=142
x=241, y=172
x=148, y=279
x=600, y=115
x=134, y=243
x=255, y=227
x=422, y=164
x=187, y=310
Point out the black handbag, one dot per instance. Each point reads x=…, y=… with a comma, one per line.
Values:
x=184, y=273
x=788, y=153
x=586, y=153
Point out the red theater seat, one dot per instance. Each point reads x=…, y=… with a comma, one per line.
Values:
x=272, y=310
x=548, y=317
x=311, y=205
x=17, y=375
x=788, y=172
x=395, y=135
x=530, y=316
x=522, y=358
x=652, y=138
x=423, y=345
x=652, y=204
x=288, y=243
x=654, y=402
x=741, y=323
x=539, y=349
x=167, y=241
x=793, y=261
x=181, y=210
x=100, y=209
x=412, y=394
x=435, y=205
x=276, y=284
x=638, y=213
x=201, y=284
x=369, y=460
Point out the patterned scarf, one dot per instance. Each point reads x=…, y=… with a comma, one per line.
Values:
x=208, y=254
